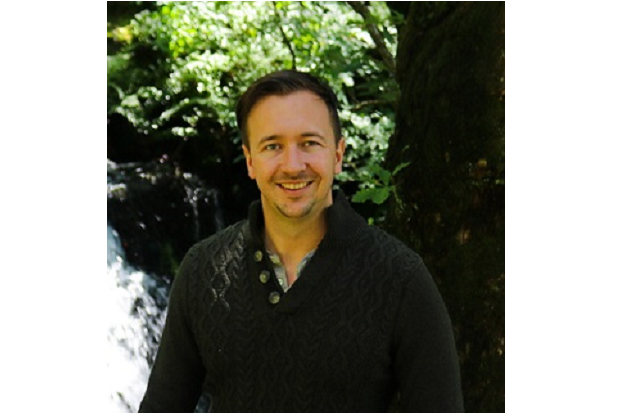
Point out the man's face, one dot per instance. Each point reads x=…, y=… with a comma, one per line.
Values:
x=292, y=154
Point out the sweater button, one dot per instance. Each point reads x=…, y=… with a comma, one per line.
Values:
x=274, y=297
x=264, y=276
x=258, y=256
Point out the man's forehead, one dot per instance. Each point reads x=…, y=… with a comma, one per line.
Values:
x=276, y=116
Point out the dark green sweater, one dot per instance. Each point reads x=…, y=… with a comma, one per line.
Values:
x=363, y=320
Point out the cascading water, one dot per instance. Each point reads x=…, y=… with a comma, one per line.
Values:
x=136, y=317
x=155, y=213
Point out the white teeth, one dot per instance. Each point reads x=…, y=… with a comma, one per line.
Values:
x=295, y=186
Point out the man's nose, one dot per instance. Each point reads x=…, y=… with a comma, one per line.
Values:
x=292, y=161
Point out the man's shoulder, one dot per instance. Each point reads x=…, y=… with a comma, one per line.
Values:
x=390, y=250
x=379, y=238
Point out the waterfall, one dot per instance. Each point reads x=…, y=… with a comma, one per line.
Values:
x=155, y=213
x=135, y=319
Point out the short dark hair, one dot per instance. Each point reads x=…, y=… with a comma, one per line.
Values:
x=282, y=83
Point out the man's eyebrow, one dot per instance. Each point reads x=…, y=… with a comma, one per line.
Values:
x=314, y=134
x=267, y=138
x=304, y=134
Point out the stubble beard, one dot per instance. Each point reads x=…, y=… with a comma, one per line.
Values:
x=292, y=212
x=287, y=213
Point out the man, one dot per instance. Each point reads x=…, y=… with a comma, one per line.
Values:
x=303, y=307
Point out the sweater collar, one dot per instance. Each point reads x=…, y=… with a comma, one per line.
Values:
x=343, y=223
x=344, y=226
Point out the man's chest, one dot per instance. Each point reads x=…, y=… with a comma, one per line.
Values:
x=326, y=341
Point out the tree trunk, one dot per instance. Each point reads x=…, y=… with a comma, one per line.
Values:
x=449, y=203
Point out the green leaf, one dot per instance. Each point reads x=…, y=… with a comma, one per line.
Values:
x=376, y=195
x=383, y=174
x=131, y=101
x=399, y=167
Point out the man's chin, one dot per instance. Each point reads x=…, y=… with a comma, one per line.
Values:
x=295, y=211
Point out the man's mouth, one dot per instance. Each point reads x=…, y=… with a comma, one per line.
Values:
x=295, y=186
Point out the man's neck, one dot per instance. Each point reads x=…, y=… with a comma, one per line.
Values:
x=292, y=239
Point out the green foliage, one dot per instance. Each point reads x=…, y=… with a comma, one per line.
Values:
x=181, y=67
x=381, y=186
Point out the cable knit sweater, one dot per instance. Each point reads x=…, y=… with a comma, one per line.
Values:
x=363, y=321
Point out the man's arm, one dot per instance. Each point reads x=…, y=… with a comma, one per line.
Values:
x=177, y=375
x=426, y=360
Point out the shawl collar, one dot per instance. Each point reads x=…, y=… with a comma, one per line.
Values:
x=344, y=226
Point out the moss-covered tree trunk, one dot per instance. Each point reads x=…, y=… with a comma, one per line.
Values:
x=450, y=199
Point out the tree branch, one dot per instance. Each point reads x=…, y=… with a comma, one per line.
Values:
x=371, y=102
x=389, y=61
x=286, y=40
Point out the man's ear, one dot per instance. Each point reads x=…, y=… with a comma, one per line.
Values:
x=248, y=162
x=340, y=148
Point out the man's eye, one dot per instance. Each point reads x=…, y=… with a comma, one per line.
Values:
x=271, y=147
x=311, y=143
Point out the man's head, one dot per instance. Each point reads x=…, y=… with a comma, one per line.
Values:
x=283, y=83
x=292, y=143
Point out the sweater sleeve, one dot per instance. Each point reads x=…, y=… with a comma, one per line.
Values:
x=426, y=360
x=177, y=375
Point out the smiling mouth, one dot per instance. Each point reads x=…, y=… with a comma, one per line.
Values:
x=295, y=186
